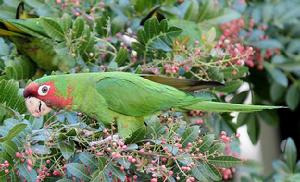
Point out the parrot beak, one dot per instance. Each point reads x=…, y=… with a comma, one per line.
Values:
x=30, y=89
x=36, y=107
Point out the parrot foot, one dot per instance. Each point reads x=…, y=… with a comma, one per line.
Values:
x=106, y=140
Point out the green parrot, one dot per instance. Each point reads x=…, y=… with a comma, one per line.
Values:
x=120, y=97
x=31, y=40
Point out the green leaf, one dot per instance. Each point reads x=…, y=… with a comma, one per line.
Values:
x=155, y=37
x=290, y=153
x=137, y=136
x=281, y=167
x=192, y=11
x=20, y=68
x=66, y=22
x=122, y=56
x=224, y=161
x=18, y=128
x=40, y=149
x=101, y=25
x=189, y=135
x=230, y=86
x=212, y=172
x=88, y=159
x=10, y=148
x=9, y=96
x=116, y=172
x=78, y=170
x=102, y=162
x=67, y=148
x=52, y=28
x=276, y=91
x=199, y=174
x=269, y=116
x=64, y=180
x=268, y=44
x=215, y=74
x=240, y=97
x=211, y=35
x=207, y=142
x=78, y=27
x=217, y=148
x=293, y=96
x=24, y=172
x=239, y=71
x=253, y=130
x=276, y=74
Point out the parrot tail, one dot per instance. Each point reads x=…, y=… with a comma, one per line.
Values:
x=7, y=29
x=182, y=84
x=211, y=106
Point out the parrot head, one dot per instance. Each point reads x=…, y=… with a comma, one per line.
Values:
x=43, y=95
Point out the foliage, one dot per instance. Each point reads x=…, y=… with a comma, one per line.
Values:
x=285, y=169
x=93, y=36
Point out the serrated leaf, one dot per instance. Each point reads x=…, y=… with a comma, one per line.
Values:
x=189, y=135
x=122, y=56
x=9, y=96
x=10, y=148
x=212, y=172
x=78, y=171
x=207, y=142
x=52, y=28
x=239, y=72
x=67, y=148
x=24, y=172
x=199, y=174
x=217, y=147
x=88, y=159
x=137, y=136
x=66, y=22
x=224, y=161
x=101, y=25
x=155, y=37
x=14, y=132
x=78, y=27
x=115, y=171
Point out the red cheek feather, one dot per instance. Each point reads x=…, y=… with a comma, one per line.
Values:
x=54, y=100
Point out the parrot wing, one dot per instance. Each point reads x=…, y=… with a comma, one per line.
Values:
x=134, y=96
x=30, y=26
x=183, y=84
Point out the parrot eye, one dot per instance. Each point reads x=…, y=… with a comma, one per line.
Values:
x=43, y=90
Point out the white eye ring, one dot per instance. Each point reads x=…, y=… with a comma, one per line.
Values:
x=43, y=90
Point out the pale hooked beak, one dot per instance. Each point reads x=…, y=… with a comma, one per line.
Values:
x=36, y=107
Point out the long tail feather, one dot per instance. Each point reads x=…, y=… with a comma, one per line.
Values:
x=183, y=84
x=228, y=107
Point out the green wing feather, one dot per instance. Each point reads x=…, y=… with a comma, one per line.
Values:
x=132, y=95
